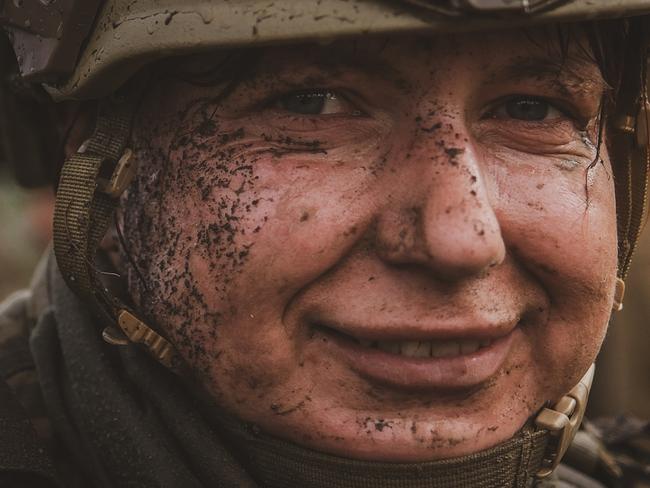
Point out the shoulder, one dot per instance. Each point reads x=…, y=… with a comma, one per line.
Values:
x=14, y=330
x=18, y=316
x=23, y=461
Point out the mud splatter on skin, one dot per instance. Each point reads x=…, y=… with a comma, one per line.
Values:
x=199, y=161
x=369, y=424
x=190, y=157
x=211, y=164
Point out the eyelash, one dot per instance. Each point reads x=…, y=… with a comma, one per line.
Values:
x=274, y=101
x=570, y=114
x=562, y=107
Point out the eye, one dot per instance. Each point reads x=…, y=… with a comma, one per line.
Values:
x=528, y=109
x=316, y=102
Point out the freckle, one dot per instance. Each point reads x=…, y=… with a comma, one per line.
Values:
x=540, y=186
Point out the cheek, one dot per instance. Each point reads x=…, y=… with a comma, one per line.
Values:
x=562, y=222
x=232, y=232
x=561, y=228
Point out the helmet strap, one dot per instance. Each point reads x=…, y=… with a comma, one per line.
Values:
x=90, y=185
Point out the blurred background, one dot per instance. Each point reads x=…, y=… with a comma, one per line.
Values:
x=25, y=230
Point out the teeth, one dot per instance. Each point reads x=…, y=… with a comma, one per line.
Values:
x=425, y=349
x=445, y=349
x=415, y=349
x=468, y=347
x=391, y=347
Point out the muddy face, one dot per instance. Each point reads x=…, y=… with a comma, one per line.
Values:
x=385, y=249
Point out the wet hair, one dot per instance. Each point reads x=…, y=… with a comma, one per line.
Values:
x=619, y=48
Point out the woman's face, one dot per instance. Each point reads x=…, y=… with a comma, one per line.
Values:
x=390, y=249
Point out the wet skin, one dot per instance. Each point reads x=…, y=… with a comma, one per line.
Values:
x=420, y=189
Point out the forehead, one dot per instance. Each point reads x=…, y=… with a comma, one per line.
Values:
x=531, y=53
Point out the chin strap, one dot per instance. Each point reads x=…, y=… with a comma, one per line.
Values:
x=90, y=186
x=563, y=421
x=532, y=454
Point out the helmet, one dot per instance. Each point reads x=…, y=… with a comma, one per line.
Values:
x=53, y=45
x=88, y=49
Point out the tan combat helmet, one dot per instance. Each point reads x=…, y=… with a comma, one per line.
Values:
x=88, y=49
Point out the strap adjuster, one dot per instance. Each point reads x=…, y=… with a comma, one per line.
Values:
x=121, y=175
x=136, y=331
x=563, y=422
x=637, y=125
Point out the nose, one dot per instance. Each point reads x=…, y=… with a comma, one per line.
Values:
x=450, y=225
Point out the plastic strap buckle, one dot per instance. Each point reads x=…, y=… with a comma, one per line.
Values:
x=138, y=332
x=563, y=421
x=121, y=174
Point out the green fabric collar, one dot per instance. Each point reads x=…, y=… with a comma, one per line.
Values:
x=278, y=464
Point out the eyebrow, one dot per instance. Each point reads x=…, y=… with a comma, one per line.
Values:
x=570, y=76
x=368, y=63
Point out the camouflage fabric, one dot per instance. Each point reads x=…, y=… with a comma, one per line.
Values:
x=23, y=421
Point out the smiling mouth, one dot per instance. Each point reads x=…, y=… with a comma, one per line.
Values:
x=439, y=363
x=427, y=349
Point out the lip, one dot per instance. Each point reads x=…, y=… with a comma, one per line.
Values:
x=442, y=373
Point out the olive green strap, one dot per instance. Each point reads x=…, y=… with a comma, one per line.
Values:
x=628, y=148
x=83, y=212
x=278, y=464
x=89, y=188
x=81, y=215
